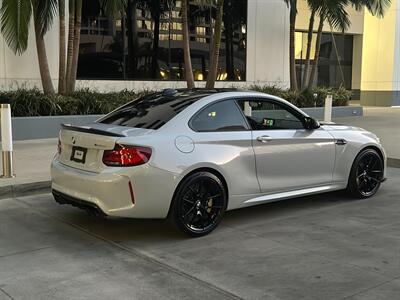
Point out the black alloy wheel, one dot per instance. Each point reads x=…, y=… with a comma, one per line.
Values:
x=199, y=204
x=366, y=174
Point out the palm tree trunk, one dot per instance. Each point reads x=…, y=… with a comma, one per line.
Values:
x=186, y=46
x=71, y=27
x=229, y=42
x=62, y=57
x=317, y=51
x=292, y=48
x=308, y=53
x=77, y=38
x=47, y=84
x=212, y=74
x=154, y=62
x=132, y=37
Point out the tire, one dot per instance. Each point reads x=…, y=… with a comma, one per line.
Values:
x=366, y=174
x=199, y=204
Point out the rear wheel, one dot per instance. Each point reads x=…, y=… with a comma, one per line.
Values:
x=199, y=204
x=366, y=174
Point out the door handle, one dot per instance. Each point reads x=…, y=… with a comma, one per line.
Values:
x=264, y=139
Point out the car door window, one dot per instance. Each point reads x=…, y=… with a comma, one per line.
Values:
x=221, y=116
x=268, y=115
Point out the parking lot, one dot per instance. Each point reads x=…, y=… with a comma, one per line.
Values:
x=318, y=247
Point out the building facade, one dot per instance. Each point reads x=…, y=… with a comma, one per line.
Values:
x=142, y=48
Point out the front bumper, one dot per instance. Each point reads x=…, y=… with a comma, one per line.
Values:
x=110, y=191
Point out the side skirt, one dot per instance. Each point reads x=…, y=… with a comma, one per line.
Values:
x=250, y=200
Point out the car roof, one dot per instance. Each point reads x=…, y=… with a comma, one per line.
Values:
x=156, y=110
x=206, y=97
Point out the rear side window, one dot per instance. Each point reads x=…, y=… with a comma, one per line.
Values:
x=152, y=111
x=221, y=116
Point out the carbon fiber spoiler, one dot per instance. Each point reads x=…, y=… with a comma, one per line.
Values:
x=88, y=129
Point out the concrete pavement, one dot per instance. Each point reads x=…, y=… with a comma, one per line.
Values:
x=317, y=247
x=384, y=122
x=31, y=166
x=32, y=160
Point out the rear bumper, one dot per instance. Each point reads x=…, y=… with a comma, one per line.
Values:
x=88, y=206
x=109, y=192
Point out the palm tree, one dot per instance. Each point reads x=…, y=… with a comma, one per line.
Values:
x=71, y=33
x=334, y=12
x=15, y=20
x=133, y=42
x=157, y=9
x=310, y=33
x=63, y=55
x=216, y=45
x=75, y=54
x=216, y=37
x=233, y=11
x=292, y=4
x=186, y=46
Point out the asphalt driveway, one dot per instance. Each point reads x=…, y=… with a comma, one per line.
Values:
x=317, y=247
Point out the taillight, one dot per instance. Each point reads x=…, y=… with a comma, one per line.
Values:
x=126, y=156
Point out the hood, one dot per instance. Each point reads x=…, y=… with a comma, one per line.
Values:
x=331, y=126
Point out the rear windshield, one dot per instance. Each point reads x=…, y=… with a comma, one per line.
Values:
x=154, y=110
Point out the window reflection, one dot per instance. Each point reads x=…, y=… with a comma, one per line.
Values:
x=334, y=69
x=146, y=42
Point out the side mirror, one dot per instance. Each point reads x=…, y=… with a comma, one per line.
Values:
x=310, y=123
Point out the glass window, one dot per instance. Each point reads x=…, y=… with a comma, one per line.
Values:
x=335, y=63
x=152, y=111
x=146, y=42
x=221, y=116
x=266, y=115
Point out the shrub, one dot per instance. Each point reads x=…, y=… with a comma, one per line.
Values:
x=306, y=98
x=32, y=102
x=28, y=103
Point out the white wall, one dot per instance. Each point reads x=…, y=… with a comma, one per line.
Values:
x=23, y=70
x=267, y=55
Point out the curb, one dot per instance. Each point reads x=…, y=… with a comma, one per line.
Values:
x=41, y=187
x=24, y=189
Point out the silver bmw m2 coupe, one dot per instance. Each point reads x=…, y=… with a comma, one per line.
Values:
x=191, y=155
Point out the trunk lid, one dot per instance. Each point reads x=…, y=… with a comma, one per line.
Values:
x=82, y=147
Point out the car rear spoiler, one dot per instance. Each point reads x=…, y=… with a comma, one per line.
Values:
x=88, y=129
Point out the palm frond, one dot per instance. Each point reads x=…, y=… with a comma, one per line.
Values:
x=44, y=13
x=204, y=3
x=375, y=7
x=113, y=8
x=15, y=18
x=336, y=14
x=161, y=7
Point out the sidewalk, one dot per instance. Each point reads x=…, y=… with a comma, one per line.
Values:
x=31, y=166
x=384, y=122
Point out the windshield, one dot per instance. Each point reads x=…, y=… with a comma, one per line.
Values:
x=154, y=110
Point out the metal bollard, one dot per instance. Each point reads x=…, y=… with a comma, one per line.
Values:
x=6, y=141
x=328, y=109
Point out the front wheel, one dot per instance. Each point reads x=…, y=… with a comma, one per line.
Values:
x=366, y=174
x=199, y=204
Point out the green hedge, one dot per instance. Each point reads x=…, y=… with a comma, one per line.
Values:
x=27, y=103
x=306, y=98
